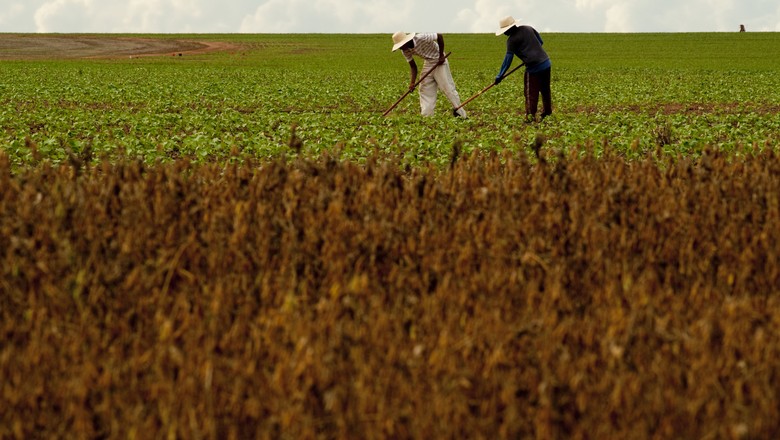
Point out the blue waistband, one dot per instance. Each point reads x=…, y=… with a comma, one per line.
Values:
x=539, y=67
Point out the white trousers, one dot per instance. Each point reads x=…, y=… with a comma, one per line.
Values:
x=441, y=78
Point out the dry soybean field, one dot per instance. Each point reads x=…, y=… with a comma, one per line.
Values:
x=225, y=239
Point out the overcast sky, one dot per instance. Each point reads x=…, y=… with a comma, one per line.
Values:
x=384, y=16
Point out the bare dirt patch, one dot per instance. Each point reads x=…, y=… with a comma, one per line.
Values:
x=36, y=46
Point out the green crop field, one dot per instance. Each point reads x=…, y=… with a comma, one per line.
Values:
x=630, y=93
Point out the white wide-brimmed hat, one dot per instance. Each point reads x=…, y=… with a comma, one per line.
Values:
x=506, y=23
x=400, y=38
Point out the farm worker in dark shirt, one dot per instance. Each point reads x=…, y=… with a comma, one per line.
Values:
x=525, y=42
x=429, y=47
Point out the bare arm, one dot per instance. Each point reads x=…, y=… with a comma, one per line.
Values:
x=413, y=69
x=440, y=41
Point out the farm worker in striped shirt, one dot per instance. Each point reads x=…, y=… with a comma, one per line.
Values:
x=525, y=42
x=429, y=47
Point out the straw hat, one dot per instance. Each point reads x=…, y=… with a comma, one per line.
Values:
x=400, y=38
x=506, y=23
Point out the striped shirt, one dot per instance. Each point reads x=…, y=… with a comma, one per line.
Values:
x=426, y=46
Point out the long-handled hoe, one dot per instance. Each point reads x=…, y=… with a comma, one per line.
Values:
x=488, y=87
x=412, y=88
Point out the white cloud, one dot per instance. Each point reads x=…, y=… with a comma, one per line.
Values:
x=592, y=4
x=62, y=14
x=384, y=16
x=777, y=18
x=272, y=16
x=705, y=15
x=338, y=16
x=482, y=16
x=9, y=14
x=766, y=22
x=142, y=14
x=618, y=18
x=485, y=14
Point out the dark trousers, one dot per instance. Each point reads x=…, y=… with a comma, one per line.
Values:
x=536, y=84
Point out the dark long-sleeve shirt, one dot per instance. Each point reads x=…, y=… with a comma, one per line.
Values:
x=526, y=43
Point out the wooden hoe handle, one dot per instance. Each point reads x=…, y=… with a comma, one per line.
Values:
x=413, y=87
x=488, y=87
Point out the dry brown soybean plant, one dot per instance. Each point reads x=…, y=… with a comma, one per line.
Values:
x=502, y=297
